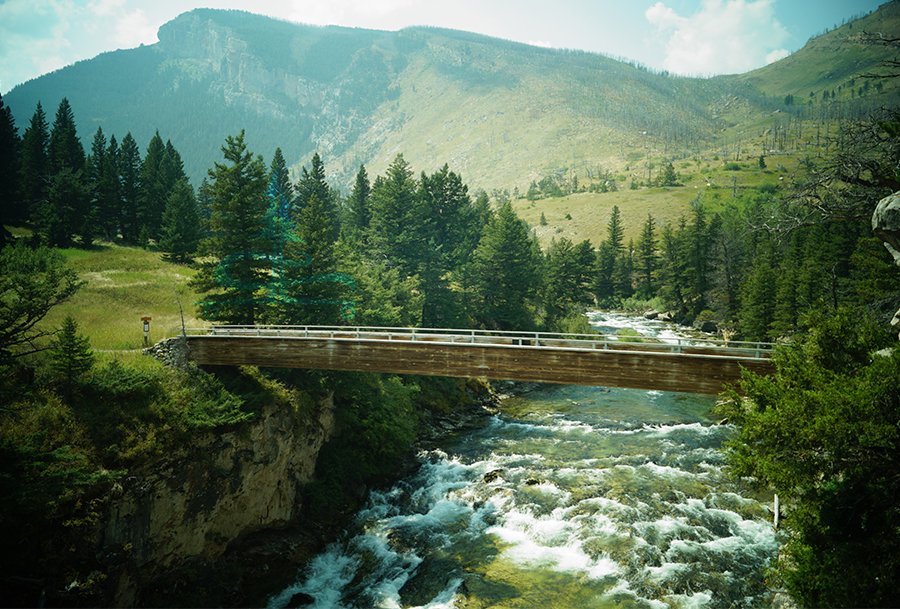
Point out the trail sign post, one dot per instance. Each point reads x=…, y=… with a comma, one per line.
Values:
x=146, y=321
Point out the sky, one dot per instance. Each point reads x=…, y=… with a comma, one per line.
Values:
x=689, y=37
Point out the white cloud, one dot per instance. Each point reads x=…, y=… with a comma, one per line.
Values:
x=776, y=55
x=342, y=12
x=723, y=37
x=541, y=43
x=133, y=29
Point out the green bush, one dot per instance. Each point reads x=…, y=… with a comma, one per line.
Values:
x=824, y=431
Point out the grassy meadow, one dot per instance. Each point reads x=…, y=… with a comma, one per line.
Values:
x=123, y=284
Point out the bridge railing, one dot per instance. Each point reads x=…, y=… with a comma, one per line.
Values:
x=540, y=340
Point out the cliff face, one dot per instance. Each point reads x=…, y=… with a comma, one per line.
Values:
x=218, y=489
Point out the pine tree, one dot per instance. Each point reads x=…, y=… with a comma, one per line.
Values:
x=71, y=355
x=309, y=282
x=153, y=192
x=181, y=224
x=65, y=149
x=615, y=232
x=35, y=167
x=359, y=205
x=312, y=182
x=109, y=193
x=10, y=207
x=506, y=275
x=279, y=171
x=647, y=260
x=129, y=170
x=234, y=271
x=394, y=231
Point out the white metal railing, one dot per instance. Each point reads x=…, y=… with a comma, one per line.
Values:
x=498, y=337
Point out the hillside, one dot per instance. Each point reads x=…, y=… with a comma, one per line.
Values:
x=502, y=114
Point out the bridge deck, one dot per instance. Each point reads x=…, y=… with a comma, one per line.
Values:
x=695, y=367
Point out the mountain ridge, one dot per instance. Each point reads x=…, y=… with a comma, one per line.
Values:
x=501, y=113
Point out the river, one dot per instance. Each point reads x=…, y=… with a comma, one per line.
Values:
x=573, y=496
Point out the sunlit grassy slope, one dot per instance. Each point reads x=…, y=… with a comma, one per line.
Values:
x=123, y=284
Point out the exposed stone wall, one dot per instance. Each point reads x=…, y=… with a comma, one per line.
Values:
x=218, y=489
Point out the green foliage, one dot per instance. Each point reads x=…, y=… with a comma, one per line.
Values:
x=506, y=272
x=377, y=422
x=236, y=230
x=32, y=281
x=71, y=354
x=824, y=433
x=180, y=224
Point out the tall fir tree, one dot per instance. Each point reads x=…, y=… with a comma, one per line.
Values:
x=181, y=224
x=67, y=210
x=396, y=216
x=35, y=165
x=647, y=260
x=278, y=170
x=153, y=188
x=71, y=355
x=615, y=231
x=109, y=202
x=506, y=271
x=359, y=206
x=129, y=170
x=310, y=282
x=65, y=149
x=234, y=269
x=10, y=206
x=313, y=182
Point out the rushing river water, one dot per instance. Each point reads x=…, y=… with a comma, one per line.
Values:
x=573, y=497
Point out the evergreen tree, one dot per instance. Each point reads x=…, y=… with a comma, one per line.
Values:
x=10, y=207
x=445, y=223
x=359, y=205
x=234, y=270
x=669, y=176
x=62, y=214
x=153, y=192
x=312, y=182
x=309, y=282
x=647, y=260
x=396, y=216
x=674, y=271
x=615, y=232
x=699, y=247
x=71, y=355
x=129, y=170
x=95, y=173
x=758, y=298
x=181, y=224
x=568, y=273
x=65, y=149
x=604, y=271
x=35, y=166
x=279, y=171
x=109, y=192
x=32, y=281
x=506, y=275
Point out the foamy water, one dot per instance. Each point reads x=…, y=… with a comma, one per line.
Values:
x=573, y=497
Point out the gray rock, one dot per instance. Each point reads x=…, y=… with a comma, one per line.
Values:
x=886, y=224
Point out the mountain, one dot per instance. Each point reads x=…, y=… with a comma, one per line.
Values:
x=502, y=114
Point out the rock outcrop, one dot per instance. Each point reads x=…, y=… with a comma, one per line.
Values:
x=886, y=226
x=217, y=489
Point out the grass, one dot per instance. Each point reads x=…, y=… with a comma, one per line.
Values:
x=123, y=284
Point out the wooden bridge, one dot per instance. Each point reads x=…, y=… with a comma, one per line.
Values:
x=691, y=366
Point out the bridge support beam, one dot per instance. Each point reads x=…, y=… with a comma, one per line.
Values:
x=704, y=374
